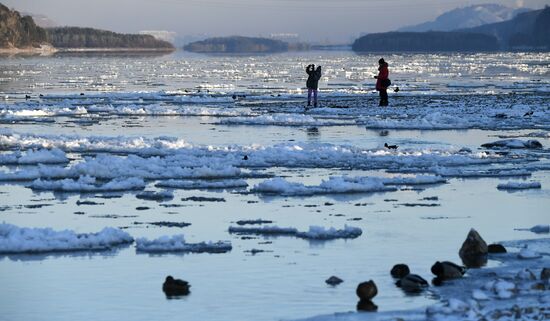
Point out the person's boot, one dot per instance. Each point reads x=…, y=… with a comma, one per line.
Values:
x=381, y=103
x=309, y=103
x=315, y=105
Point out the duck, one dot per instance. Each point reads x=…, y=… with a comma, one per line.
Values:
x=366, y=290
x=245, y=157
x=399, y=271
x=390, y=146
x=529, y=113
x=412, y=283
x=27, y=97
x=384, y=132
x=448, y=270
x=174, y=287
x=496, y=248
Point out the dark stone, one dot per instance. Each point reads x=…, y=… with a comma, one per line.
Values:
x=367, y=306
x=399, y=271
x=496, y=248
x=333, y=280
x=366, y=290
x=474, y=250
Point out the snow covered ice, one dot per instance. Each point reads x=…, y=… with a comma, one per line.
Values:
x=14, y=239
x=314, y=232
x=177, y=243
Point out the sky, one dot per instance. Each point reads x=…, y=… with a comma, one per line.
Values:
x=332, y=21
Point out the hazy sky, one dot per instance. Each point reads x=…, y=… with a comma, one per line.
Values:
x=317, y=20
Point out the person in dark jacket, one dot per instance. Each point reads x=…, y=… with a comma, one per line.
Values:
x=312, y=83
x=382, y=81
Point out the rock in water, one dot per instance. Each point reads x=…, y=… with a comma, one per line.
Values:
x=366, y=290
x=474, y=250
x=333, y=280
x=496, y=248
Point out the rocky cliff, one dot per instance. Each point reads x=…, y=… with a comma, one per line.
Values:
x=19, y=32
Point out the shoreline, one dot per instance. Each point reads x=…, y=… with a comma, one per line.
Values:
x=49, y=50
x=73, y=50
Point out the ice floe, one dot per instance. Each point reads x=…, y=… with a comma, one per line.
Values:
x=314, y=232
x=40, y=156
x=14, y=239
x=341, y=184
x=203, y=184
x=88, y=184
x=177, y=243
x=514, y=144
x=519, y=185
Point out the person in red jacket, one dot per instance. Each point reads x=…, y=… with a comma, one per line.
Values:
x=383, y=81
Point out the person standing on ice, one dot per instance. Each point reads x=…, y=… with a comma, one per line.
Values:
x=383, y=81
x=312, y=83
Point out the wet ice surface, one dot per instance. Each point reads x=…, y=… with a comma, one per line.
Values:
x=154, y=149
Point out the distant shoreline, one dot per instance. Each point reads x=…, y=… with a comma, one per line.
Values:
x=44, y=49
x=51, y=50
x=61, y=50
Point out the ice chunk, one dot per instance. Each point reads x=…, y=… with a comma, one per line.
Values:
x=203, y=184
x=321, y=233
x=519, y=185
x=314, y=232
x=177, y=243
x=88, y=184
x=39, y=156
x=14, y=239
x=479, y=295
x=513, y=144
x=527, y=253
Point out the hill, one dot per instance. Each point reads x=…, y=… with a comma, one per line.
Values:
x=433, y=41
x=89, y=38
x=467, y=17
x=237, y=44
x=17, y=32
x=527, y=31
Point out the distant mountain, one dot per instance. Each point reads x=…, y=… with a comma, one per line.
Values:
x=468, y=17
x=89, y=38
x=527, y=31
x=237, y=44
x=17, y=32
x=432, y=41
